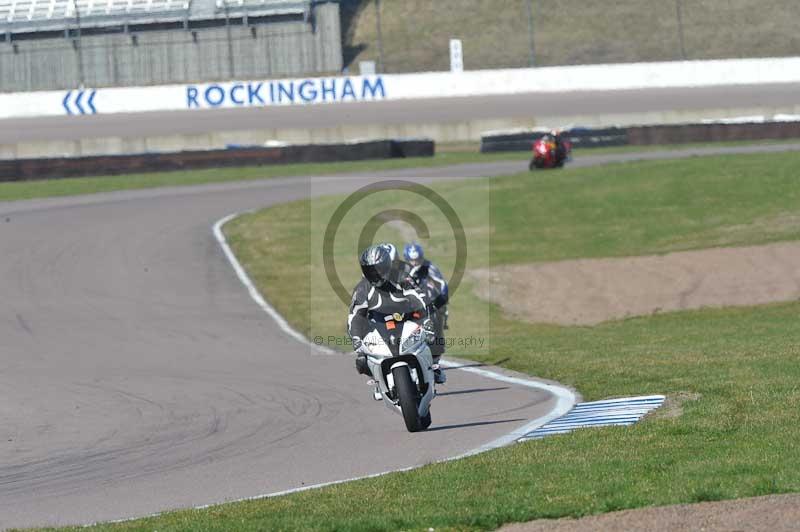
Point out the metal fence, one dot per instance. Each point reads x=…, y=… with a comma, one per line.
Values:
x=407, y=36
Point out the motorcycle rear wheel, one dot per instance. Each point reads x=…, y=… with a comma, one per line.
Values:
x=408, y=396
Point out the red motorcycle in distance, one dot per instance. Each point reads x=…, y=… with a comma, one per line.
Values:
x=546, y=153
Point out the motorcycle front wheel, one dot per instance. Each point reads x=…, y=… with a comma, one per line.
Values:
x=408, y=396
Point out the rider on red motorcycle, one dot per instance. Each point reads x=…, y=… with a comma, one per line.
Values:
x=550, y=151
x=561, y=148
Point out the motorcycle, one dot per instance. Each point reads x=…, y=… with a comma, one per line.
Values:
x=545, y=154
x=400, y=360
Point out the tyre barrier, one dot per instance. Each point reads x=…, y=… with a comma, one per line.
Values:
x=647, y=135
x=580, y=138
x=96, y=165
x=714, y=132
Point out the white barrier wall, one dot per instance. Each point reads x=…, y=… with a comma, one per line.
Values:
x=400, y=86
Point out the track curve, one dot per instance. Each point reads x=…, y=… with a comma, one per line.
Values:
x=138, y=376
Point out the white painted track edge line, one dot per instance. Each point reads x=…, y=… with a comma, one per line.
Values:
x=566, y=398
x=253, y=291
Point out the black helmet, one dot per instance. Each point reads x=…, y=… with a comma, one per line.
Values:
x=380, y=264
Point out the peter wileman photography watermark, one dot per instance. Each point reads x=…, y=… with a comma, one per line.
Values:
x=449, y=342
x=372, y=226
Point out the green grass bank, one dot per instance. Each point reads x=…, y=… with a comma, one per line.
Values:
x=495, y=34
x=446, y=155
x=12, y=191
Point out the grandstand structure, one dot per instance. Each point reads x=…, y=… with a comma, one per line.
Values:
x=66, y=44
x=27, y=16
x=36, y=15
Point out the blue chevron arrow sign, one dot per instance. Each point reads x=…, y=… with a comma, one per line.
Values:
x=80, y=102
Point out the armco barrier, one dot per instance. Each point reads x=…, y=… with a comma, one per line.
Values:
x=647, y=135
x=53, y=168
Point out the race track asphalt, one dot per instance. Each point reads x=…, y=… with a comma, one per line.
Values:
x=137, y=375
x=442, y=110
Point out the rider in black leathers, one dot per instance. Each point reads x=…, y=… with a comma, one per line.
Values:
x=561, y=149
x=385, y=289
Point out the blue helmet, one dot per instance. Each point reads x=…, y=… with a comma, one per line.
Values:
x=413, y=253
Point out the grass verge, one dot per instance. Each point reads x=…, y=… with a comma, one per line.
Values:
x=738, y=432
x=447, y=155
x=92, y=185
